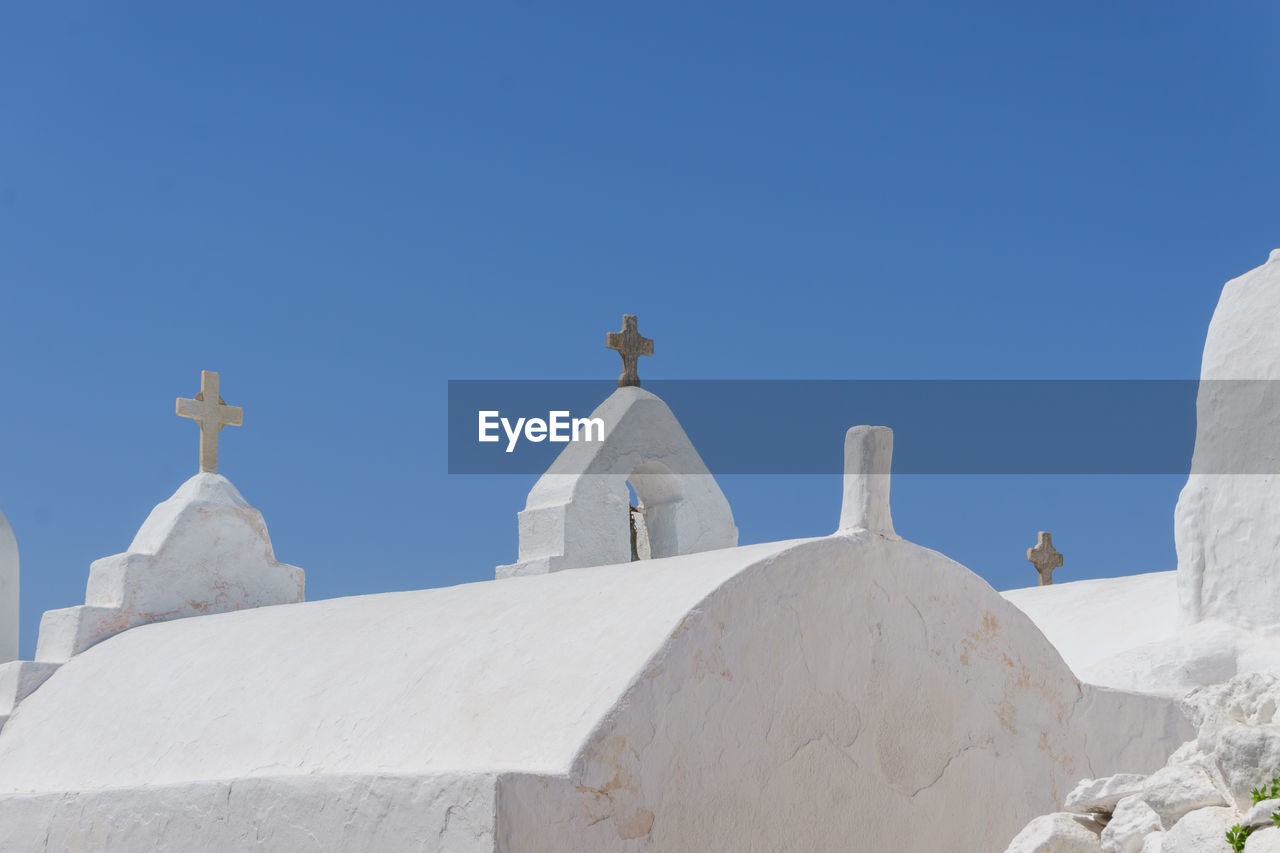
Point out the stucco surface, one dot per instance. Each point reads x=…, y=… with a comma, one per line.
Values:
x=1091, y=620
x=1227, y=522
x=8, y=592
x=292, y=814
x=489, y=676
x=204, y=550
x=878, y=681
x=1128, y=633
x=576, y=515
x=1216, y=616
x=792, y=695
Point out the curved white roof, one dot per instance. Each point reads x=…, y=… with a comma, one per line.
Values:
x=493, y=676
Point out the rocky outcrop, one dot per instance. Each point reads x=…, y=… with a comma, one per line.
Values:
x=1221, y=781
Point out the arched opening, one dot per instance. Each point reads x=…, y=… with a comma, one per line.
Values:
x=579, y=512
x=640, y=549
x=654, y=494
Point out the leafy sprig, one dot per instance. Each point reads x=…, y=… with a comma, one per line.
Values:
x=1266, y=792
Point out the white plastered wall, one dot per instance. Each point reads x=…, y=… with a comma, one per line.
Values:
x=8, y=592
x=823, y=699
x=1227, y=523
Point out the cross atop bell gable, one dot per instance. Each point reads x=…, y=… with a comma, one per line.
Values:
x=630, y=344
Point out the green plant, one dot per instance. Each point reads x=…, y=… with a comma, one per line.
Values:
x=1266, y=792
x=1275, y=817
x=1236, y=836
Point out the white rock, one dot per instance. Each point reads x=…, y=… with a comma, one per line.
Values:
x=1265, y=840
x=1201, y=831
x=1055, y=833
x=1179, y=788
x=1236, y=741
x=1099, y=796
x=1189, y=753
x=1246, y=756
x=1260, y=814
x=1153, y=843
x=1131, y=821
x=1252, y=698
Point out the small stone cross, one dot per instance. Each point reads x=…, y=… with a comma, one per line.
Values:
x=1044, y=558
x=631, y=345
x=209, y=410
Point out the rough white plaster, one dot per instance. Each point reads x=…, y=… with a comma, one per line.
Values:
x=1091, y=624
x=1207, y=652
x=8, y=592
x=910, y=688
x=1227, y=525
x=1225, y=620
x=1090, y=621
x=577, y=513
x=490, y=676
x=868, y=457
x=204, y=550
x=289, y=814
x=849, y=682
x=18, y=679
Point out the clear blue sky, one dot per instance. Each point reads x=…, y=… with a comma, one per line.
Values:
x=340, y=208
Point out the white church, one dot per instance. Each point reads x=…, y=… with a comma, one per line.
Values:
x=850, y=692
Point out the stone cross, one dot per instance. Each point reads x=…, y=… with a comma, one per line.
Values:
x=1044, y=558
x=209, y=410
x=631, y=345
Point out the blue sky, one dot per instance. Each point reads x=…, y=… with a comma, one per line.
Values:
x=342, y=208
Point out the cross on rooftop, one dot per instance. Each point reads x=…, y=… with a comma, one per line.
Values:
x=630, y=344
x=209, y=410
x=1045, y=558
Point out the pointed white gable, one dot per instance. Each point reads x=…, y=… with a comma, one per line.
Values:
x=204, y=550
x=577, y=514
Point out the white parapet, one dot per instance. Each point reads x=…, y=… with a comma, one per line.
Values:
x=8, y=592
x=204, y=550
x=868, y=457
x=18, y=678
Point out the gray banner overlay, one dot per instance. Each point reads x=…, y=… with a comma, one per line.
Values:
x=940, y=426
